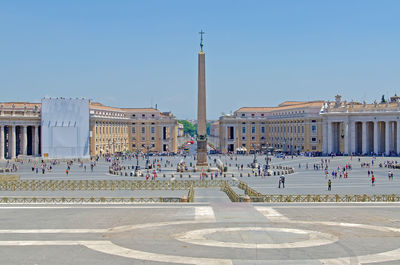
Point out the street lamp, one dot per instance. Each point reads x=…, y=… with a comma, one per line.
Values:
x=254, y=164
x=148, y=148
x=269, y=149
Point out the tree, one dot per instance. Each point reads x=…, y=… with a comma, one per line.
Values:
x=383, y=100
x=188, y=128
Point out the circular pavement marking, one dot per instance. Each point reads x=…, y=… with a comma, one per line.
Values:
x=315, y=238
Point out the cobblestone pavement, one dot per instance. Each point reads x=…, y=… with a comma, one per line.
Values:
x=212, y=230
x=201, y=233
x=303, y=181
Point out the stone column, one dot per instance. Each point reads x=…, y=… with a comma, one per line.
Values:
x=36, y=141
x=324, y=137
x=330, y=137
x=12, y=142
x=376, y=138
x=364, y=137
x=352, y=137
x=387, y=136
x=398, y=137
x=1, y=142
x=346, y=137
x=24, y=140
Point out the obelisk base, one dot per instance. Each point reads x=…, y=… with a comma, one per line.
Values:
x=201, y=153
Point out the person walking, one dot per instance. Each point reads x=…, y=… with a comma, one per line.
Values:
x=373, y=180
x=329, y=184
x=283, y=181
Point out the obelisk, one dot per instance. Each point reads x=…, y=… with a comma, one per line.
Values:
x=201, y=109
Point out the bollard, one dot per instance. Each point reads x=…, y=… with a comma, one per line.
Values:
x=241, y=175
x=184, y=199
x=190, y=176
x=248, y=175
x=181, y=175
x=164, y=175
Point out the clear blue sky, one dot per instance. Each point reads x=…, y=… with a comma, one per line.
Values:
x=258, y=53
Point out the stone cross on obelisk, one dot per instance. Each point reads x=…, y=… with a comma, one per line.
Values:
x=201, y=109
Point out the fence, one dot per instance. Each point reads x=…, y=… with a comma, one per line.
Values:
x=191, y=194
x=64, y=200
x=61, y=185
x=256, y=196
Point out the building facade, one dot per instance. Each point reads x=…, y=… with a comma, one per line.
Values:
x=20, y=126
x=291, y=127
x=111, y=130
x=360, y=128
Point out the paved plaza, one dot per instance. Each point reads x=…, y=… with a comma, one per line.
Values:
x=212, y=230
x=206, y=233
x=303, y=181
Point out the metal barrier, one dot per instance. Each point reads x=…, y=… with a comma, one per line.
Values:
x=233, y=196
x=191, y=194
x=99, y=200
x=256, y=196
x=327, y=198
x=60, y=185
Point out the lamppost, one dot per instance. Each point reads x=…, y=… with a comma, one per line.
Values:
x=148, y=148
x=269, y=149
x=254, y=164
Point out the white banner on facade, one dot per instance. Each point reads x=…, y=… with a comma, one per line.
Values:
x=65, y=128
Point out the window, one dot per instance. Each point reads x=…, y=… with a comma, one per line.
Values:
x=243, y=114
x=243, y=129
x=253, y=138
x=314, y=129
x=133, y=145
x=314, y=147
x=143, y=129
x=243, y=138
x=313, y=139
x=253, y=129
x=262, y=137
x=152, y=138
x=263, y=129
x=143, y=138
x=153, y=130
x=143, y=115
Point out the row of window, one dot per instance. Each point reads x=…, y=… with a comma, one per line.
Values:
x=313, y=139
x=143, y=130
x=253, y=129
x=110, y=129
x=274, y=113
x=143, y=138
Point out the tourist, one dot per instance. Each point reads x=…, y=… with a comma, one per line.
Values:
x=329, y=184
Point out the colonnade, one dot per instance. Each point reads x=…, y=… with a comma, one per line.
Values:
x=362, y=137
x=19, y=140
